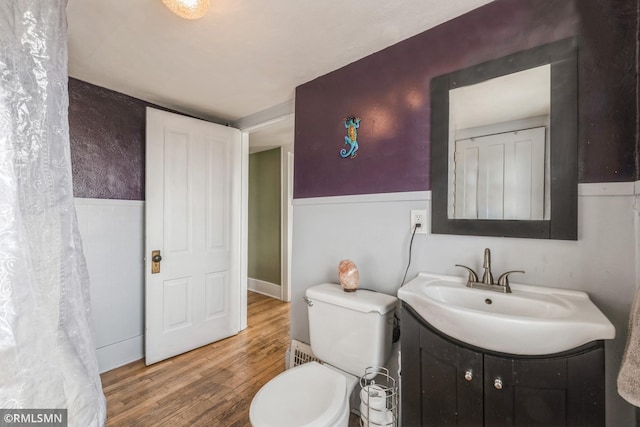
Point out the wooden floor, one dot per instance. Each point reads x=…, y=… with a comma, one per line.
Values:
x=210, y=386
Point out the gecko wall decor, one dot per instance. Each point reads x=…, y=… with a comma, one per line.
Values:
x=352, y=124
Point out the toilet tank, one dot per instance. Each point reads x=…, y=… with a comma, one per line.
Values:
x=350, y=330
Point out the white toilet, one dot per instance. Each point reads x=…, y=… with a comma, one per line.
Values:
x=349, y=331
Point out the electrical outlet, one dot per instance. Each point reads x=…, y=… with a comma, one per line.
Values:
x=419, y=216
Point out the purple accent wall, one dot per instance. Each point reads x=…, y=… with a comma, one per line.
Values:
x=607, y=90
x=389, y=91
x=107, y=132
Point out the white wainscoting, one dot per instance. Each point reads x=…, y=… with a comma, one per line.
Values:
x=374, y=232
x=112, y=235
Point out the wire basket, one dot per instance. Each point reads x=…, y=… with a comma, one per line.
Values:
x=378, y=398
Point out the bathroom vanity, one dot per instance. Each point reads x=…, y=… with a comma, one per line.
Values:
x=522, y=356
x=447, y=383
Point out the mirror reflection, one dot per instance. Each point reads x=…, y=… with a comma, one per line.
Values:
x=504, y=146
x=498, y=147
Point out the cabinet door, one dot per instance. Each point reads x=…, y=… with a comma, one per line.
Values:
x=555, y=392
x=450, y=382
x=525, y=392
x=585, y=389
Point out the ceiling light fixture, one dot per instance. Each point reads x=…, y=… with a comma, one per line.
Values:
x=188, y=9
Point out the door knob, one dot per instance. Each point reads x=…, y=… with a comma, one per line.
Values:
x=497, y=383
x=155, y=262
x=468, y=375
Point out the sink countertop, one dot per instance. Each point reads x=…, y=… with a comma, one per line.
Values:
x=532, y=320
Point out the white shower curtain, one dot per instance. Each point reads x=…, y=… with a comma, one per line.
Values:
x=47, y=355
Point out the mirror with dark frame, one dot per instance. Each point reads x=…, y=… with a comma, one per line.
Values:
x=498, y=169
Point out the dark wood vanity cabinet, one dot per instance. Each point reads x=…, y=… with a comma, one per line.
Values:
x=447, y=383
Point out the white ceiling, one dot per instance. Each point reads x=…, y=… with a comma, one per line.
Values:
x=274, y=135
x=515, y=96
x=244, y=56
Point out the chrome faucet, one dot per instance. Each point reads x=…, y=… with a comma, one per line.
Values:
x=487, y=277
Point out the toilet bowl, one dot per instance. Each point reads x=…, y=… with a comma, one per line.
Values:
x=309, y=395
x=348, y=331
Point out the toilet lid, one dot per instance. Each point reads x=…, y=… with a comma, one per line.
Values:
x=309, y=395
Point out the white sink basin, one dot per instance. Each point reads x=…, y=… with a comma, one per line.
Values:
x=532, y=320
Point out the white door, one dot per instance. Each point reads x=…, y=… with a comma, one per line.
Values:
x=501, y=176
x=193, y=218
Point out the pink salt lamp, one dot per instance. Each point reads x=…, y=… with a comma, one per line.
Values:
x=348, y=274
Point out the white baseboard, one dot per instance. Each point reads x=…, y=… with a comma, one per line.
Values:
x=118, y=354
x=264, y=288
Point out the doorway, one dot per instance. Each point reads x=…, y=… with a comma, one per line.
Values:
x=270, y=168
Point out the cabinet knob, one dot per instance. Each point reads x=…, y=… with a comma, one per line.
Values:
x=468, y=375
x=497, y=383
